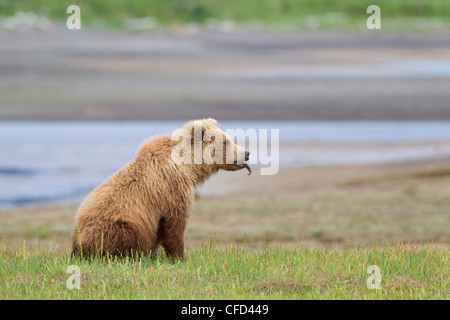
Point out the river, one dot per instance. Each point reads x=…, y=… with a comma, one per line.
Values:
x=61, y=162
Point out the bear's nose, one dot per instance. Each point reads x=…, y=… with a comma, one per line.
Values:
x=247, y=155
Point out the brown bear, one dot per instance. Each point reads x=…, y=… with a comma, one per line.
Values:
x=148, y=202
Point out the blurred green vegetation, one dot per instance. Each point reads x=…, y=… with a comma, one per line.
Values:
x=291, y=14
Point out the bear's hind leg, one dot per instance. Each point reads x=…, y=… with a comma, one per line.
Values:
x=120, y=240
x=171, y=236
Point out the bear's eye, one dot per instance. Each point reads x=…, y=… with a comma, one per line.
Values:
x=227, y=142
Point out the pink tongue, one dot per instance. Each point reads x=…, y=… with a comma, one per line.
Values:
x=248, y=168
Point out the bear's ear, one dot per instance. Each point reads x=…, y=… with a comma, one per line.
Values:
x=209, y=123
x=197, y=128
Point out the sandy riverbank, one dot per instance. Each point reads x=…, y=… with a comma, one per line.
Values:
x=319, y=206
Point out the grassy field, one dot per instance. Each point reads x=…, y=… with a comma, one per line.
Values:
x=305, y=233
x=295, y=14
x=232, y=271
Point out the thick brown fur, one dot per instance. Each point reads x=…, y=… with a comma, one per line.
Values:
x=145, y=204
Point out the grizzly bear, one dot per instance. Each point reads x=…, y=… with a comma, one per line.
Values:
x=147, y=203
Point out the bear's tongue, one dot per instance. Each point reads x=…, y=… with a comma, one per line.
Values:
x=248, y=168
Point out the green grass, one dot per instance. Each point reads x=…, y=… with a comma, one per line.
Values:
x=219, y=271
x=296, y=14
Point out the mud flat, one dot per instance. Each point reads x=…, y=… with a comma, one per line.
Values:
x=242, y=75
x=334, y=206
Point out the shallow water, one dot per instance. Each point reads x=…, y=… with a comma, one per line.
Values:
x=382, y=69
x=61, y=162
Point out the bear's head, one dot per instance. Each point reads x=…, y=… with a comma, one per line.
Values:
x=204, y=143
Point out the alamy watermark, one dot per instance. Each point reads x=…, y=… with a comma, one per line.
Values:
x=374, y=281
x=374, y=21
x=74, y=280
x=212, y=146
x=73, y=22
